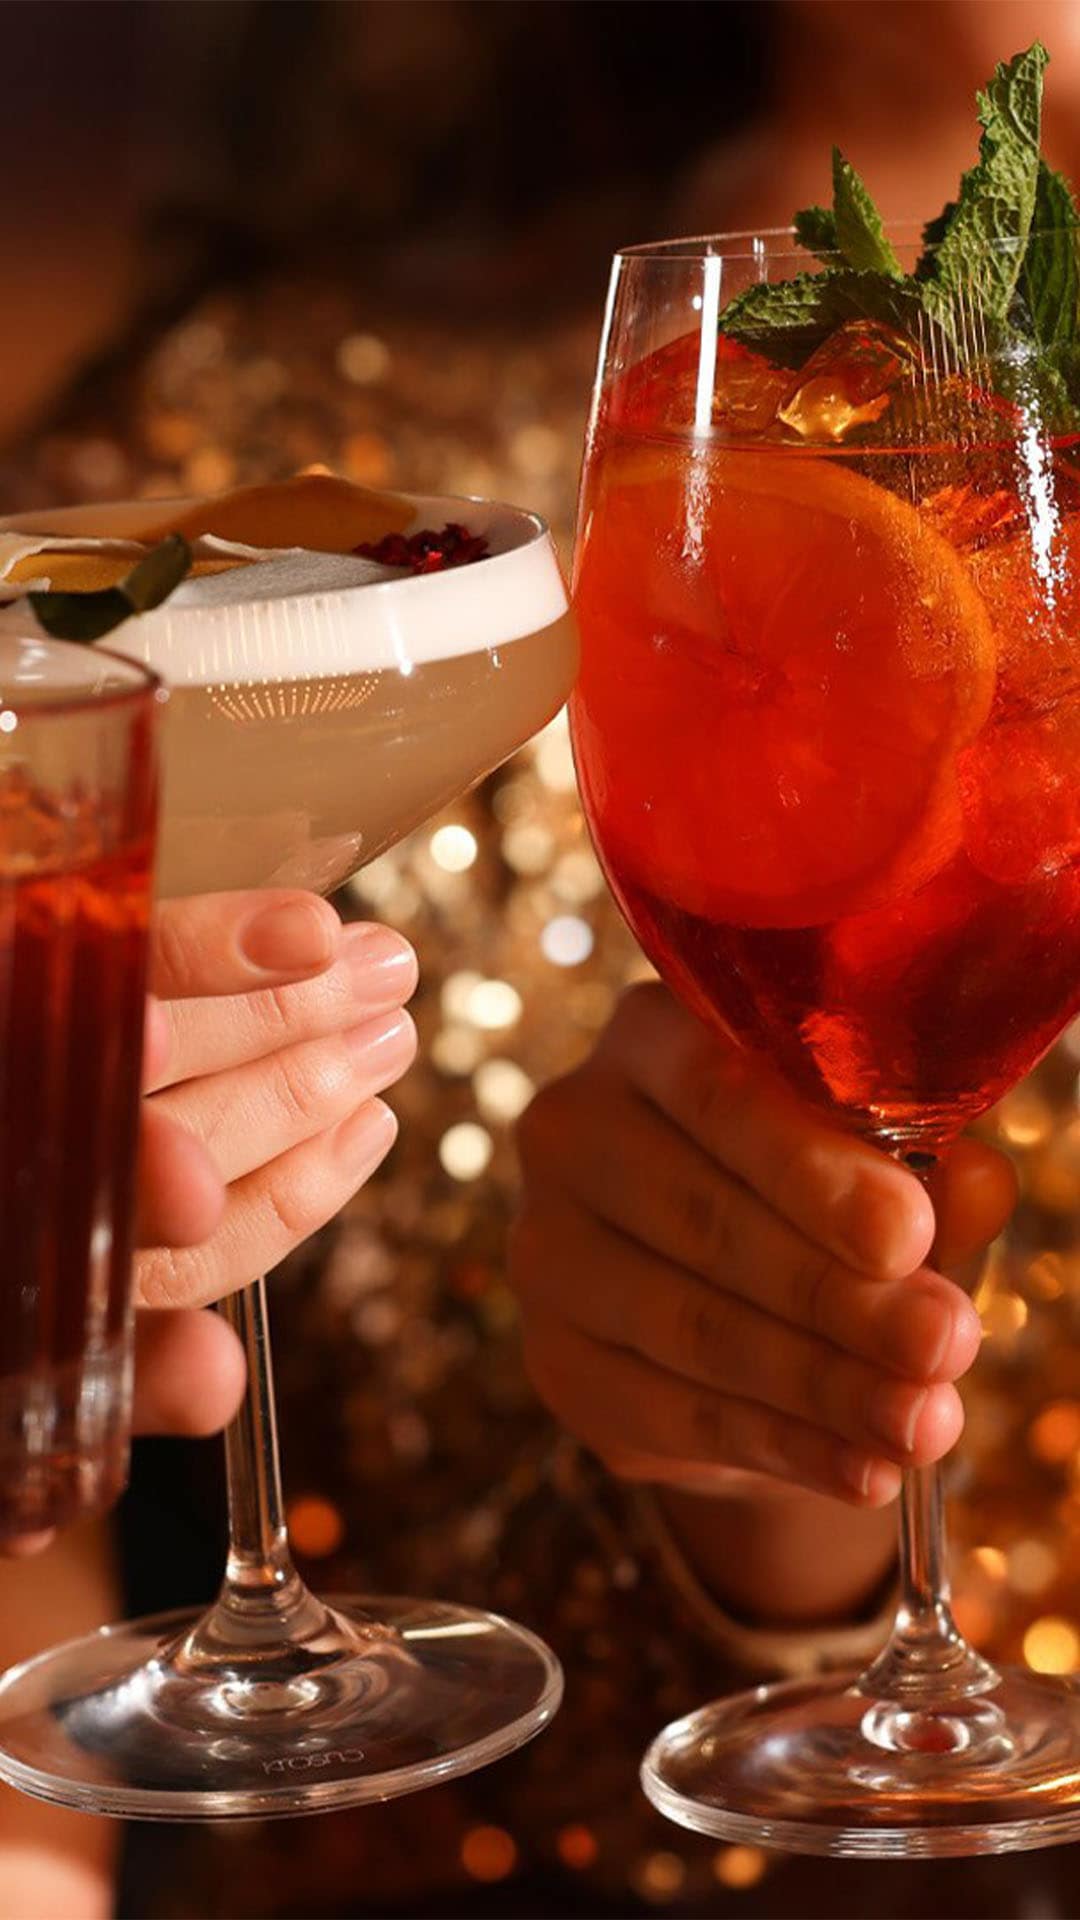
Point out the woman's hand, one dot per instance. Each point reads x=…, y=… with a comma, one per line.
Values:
x=274, y=1031
x=714, y=1279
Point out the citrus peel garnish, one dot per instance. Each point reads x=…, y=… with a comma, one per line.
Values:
x=782, y=663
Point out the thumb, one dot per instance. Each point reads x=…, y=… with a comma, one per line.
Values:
x=974, y=1192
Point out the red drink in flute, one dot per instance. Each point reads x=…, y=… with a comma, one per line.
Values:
x=77, y=801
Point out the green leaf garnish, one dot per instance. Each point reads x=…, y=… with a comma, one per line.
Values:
x=981, y=253
x=1048, y=290
x=933, y=234
x=815, y=229
x=90, y=616
x=787, y=319
x=997, y=287
x=860, y=234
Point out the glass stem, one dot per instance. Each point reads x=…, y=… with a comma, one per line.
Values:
x=927, y=1661
x=259, y=1558
x=263, y=1605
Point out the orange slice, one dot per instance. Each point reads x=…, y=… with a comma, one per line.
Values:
x=781, y=664
x=314, y=510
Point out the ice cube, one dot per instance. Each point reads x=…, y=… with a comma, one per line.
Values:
x=747, y=391
x=660, y=392
x=849, y=381
x=1030, y=584
x=1021, y=797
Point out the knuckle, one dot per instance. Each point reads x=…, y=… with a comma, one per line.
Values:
x=166, y=1278
x=813, y=1291
x=703, y=1208
x=704, y=1330
x=275, y=1009
x=305, y=1085
x=172, y=954
x=709, y=1091
x=819, y=1382
x=295, y=1206
x=798, y=1171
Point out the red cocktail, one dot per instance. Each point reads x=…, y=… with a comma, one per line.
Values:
x=77, y=807
x=827, y=730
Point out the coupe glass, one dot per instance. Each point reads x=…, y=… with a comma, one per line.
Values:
x=306, y=733
x=827, y=728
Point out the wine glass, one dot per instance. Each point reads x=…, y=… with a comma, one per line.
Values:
x=307, y=731
x=827, y=728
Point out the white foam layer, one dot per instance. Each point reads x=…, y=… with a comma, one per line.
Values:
x=302, y=615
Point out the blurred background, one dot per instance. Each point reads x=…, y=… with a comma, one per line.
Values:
x=244, y=237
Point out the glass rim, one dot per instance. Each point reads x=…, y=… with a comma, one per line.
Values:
x=754, y=243
x=147, y=686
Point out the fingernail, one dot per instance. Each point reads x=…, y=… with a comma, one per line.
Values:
x=291, y=938
x=366, y=1136
x=893, y=1415
x=383, y=1041
x=875, y=1481
x=378, y=958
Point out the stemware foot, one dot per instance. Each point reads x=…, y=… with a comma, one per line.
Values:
x=821, y=1767
x=390, y=1695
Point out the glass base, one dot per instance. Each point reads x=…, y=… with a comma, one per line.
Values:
x=390, y=1696
x=821, y=1767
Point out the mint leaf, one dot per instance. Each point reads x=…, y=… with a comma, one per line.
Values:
x=1048, y=291
x=90, y=616
x=980, y=255
x=996, y=289
x=860, y=234
x=932, y=236
x=815, y=229
x=787, y=319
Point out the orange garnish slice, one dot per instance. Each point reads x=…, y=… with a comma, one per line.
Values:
x=781, y=664
x=314, y=510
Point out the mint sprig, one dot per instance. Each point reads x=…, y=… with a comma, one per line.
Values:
x=786, y=319
x=998, y=282
x=850, y=233
x=860, y=233
x=982, y=247
x=1049, y=281
x=90, y=616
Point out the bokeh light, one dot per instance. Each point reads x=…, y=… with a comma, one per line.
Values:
x=1052, y=1645
x=488, y=1854
x=315, y=1525
x=739, y=1867
x=465, y=1150
x=453, y=848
